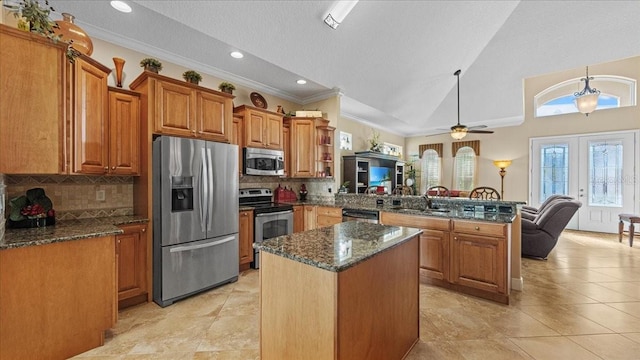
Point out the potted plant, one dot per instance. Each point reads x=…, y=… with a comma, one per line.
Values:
x=151, y=64
x=344, y=188
x=375, y=141
x=226, y=87
x=192, y=76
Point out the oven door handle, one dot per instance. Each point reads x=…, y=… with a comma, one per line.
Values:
x=276, y=213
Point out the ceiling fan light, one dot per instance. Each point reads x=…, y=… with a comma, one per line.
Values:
x=458, y=133
x=588, y=103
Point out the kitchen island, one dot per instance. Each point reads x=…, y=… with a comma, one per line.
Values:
x=348, y=291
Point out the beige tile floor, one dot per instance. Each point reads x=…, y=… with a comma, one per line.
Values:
x=582, y=303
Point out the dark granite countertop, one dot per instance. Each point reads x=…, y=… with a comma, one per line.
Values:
x=65, y=230
x=338, y=247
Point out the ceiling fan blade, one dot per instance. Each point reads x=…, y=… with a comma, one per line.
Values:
x=477, y=127
x=480, y=131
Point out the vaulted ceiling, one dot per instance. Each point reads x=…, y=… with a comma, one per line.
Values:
x=392, y=61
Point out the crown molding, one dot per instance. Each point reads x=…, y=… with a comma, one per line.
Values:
x=323, y=95
x=139, y=46
x=356, y=118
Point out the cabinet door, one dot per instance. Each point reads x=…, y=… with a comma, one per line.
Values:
x=434, y=253
x=298, y=218
x=32, y=98
x=175, y=112
x=90, y=114
x=124, y=133
x=479, y=262
x=309, y=217
x=328, y=216
x=214, y=115
x=303, y=150
x=246, y=237
x=273, y=137
x=286, y=147
x=255, y=129
x=132, y=265
x=236, y=138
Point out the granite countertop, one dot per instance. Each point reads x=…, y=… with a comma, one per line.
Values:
x=455, y=214
x=338, y=247
x=65, y=230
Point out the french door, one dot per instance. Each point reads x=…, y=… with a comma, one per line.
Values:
x=599, y=170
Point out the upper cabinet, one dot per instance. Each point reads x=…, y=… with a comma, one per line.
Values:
x=89, y=116
x=184, y=109
x=312, y=147
x=261, y=128
x=32, y=94
x=124, y=132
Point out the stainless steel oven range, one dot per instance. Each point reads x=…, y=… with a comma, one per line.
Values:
x=270, y=219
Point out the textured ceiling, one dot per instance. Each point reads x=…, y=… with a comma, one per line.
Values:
x=393, y=61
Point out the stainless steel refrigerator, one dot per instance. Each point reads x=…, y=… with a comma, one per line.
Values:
x=195, y=217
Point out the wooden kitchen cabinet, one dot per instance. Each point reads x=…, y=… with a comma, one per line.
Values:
x=185, y=109
x=310, y=215
x=261, y=128
x=90, y=116
x=32, y=92
x=236, y=138
x=131, y=250
x=434, y=242
x=312, y=147
x=480, y=257
x=286, y=146
x=124, y=132
x=328, y=216
x=246, y=239
x=298, y=218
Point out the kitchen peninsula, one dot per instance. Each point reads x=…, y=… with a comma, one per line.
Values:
x=348, y=291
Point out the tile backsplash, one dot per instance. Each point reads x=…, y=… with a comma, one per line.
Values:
x=318, y=188
x=76, y=197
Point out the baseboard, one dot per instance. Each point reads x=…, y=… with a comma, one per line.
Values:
x=517, y=284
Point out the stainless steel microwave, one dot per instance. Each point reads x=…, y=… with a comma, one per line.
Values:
x=264, y=162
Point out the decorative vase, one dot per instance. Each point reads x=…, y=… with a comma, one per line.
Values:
x=71, y=32
x=119, y=66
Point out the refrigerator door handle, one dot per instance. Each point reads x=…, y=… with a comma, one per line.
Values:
x=205, y=192
x=209, y=197
x=201, y=246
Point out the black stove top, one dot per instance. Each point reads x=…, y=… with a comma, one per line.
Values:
x=261, y=201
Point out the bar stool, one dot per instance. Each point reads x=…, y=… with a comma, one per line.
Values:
x=632, y=219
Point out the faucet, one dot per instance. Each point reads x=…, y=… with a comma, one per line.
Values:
x=427, y=202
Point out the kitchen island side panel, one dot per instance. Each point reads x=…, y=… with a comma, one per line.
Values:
x=367, y=311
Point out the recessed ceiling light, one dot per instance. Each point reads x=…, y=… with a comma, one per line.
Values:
x=301, y=81
x=237, y=54
x=121, y=6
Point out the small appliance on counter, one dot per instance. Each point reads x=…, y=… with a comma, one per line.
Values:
x=283, y=195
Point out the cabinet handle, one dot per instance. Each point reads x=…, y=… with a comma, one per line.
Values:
x=113, y=168
x=144, y=230
x=118, y=241
x=477, y=227
x=106, y=168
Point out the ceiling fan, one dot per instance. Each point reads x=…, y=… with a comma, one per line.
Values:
x=459, y=131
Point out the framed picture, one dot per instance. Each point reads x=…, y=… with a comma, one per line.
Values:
x=345, y=140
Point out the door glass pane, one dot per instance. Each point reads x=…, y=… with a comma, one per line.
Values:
x=605, y=173
x=554, y=170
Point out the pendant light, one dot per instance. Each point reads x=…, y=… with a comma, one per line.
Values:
x=587, y=99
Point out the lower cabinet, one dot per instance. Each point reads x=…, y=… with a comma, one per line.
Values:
x=328, y=216
x=246, y=239
x=468, y=256
x=479, y=256
x=298, y=218
x=434, y=241
x=309, y=217
x=131, y=251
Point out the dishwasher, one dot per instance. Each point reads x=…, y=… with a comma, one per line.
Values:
x=371, y=216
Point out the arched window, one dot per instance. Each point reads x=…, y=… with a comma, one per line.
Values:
x=616, y=91
x=464, y=176
x=431, y=170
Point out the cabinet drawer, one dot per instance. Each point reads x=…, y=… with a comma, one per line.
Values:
x=480, y=228
x=417, y=221
x=329, y=211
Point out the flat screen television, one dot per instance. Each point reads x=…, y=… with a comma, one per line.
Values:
x=380, y=176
